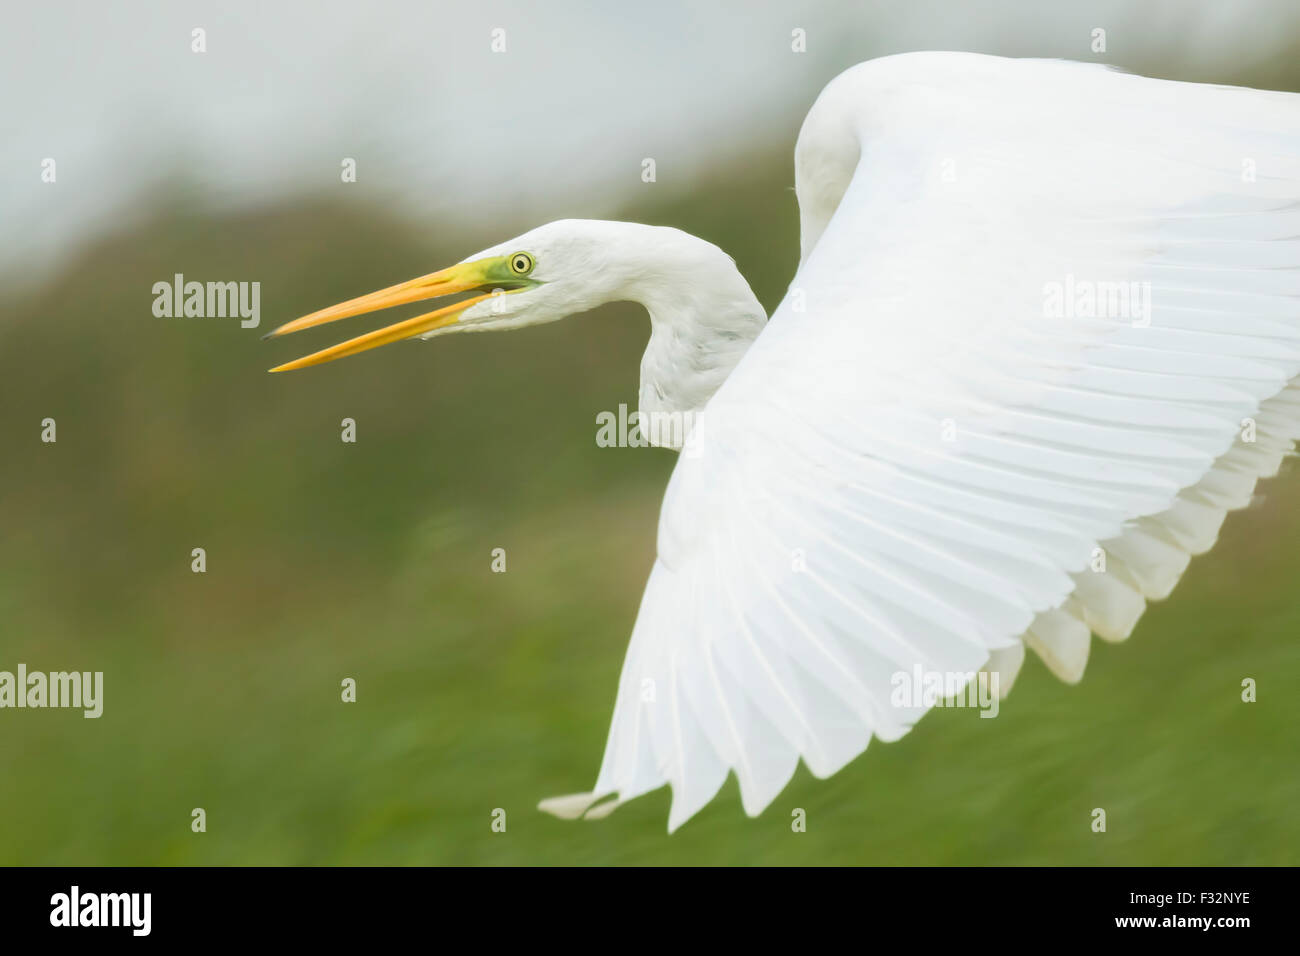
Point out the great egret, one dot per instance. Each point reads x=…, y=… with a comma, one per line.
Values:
x=1044, y=334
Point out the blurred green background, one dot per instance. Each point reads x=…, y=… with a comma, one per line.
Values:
x=477, y=690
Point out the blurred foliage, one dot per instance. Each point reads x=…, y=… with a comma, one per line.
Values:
x=477, y=690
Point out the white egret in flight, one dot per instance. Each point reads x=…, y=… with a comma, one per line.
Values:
x=1044, y=334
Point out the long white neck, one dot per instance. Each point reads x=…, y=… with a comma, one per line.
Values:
x=703, y=317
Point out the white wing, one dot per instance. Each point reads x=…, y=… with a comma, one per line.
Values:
x=915, y=463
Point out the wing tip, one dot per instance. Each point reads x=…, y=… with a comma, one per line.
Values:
x=574, y=806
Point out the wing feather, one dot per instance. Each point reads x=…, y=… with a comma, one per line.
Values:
x=930, y=458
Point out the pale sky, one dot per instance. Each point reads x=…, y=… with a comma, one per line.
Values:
x=441, y=126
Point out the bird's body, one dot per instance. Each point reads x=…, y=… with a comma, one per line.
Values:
x=1044, y=335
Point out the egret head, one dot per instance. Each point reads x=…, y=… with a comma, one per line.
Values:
x=546, y=274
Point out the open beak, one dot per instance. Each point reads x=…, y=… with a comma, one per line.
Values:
x=459, y=278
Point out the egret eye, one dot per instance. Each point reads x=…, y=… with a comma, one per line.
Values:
x=521, y=263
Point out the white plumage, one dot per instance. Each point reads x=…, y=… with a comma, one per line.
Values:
x=919, y=457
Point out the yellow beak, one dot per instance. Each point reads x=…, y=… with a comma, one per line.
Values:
x=458, y=278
